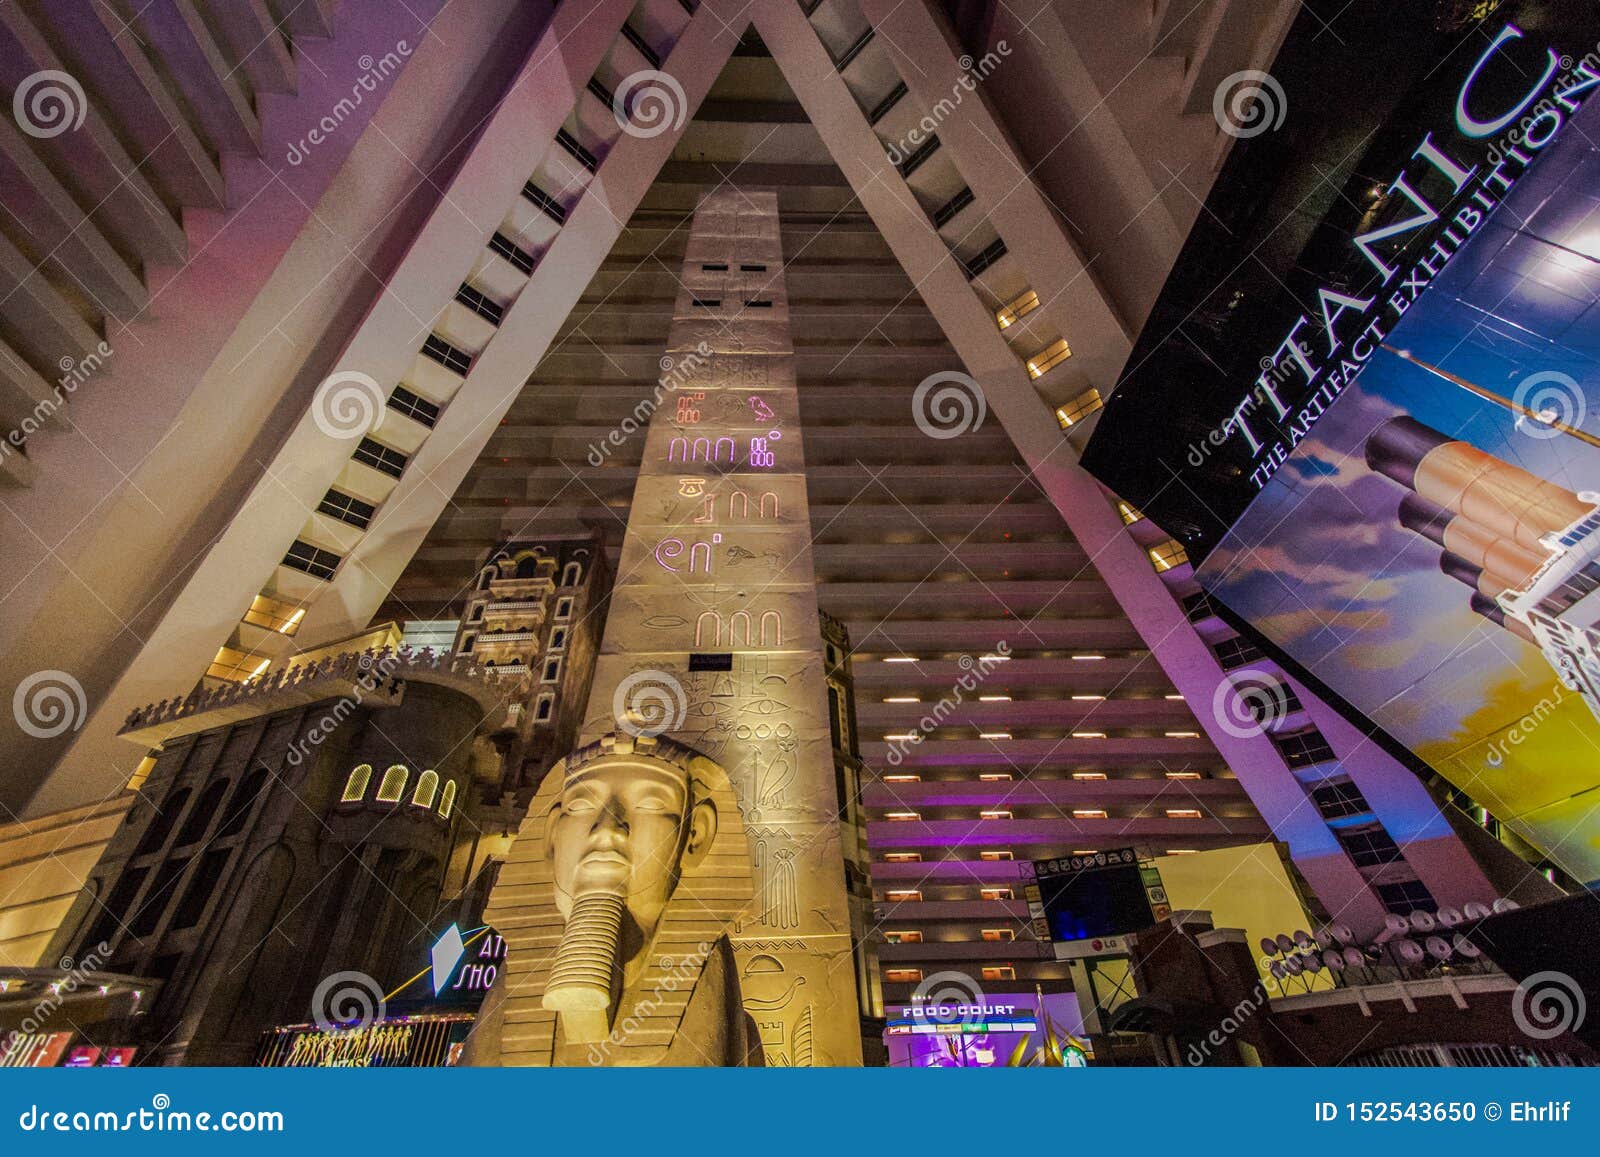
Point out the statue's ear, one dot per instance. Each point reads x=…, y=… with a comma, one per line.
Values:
x=550, y=830
x=702, y=831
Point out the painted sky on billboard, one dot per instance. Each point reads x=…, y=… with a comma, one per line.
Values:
x=1345, y=567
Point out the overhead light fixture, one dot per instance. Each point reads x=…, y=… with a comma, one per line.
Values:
x=1088, y=735
x=902, y=699
x=899, y=658
x=994, y=699
x=994, y=735
x=1183, y=735
x=1088, y=698
x=1087, y=658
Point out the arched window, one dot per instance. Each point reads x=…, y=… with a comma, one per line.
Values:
x=427, y=788
x=355, y=788
x=166, y=818
x=528, y=566
x=393, y=785
x=447, y=801
x=486, y=577
x=572, y=574
x=199, y=818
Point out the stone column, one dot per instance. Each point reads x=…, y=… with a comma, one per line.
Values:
x=713, y=635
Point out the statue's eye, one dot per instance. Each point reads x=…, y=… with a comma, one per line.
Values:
x=580, y=806
x=651, y=805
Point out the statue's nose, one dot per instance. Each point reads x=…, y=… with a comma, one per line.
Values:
x=611, y=820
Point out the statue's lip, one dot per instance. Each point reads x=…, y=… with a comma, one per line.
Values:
x=605, y=856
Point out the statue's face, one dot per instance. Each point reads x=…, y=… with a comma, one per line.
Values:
x=626, y=829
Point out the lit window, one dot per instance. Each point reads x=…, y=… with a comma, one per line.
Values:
x=902, y=816
x=999, y=972
x=447, y=801
x=427, y=789
x=1175, y=698
x=902, y=699
x=1181, y=851
x=995, y=777
x=1087, y=658
x=902, y=779
x=237, y=666
x=999, y=934
x=1183, y=735
x=994, y=735
x=903, y=896
x=894, y=735
x=994, y=699
x=1088, y=775
x=1088, y=698
x=1085, y=851
x=1167, y=555
x=355, y=787
x=274, y=615
x=1184, y=775
x=1021, y=307
x=907, y=937
x=902, y=975
x=1088, y=735
x=1075, y=411
x=1089, y=813
x=902, y=857
x=1183, y=813
x=997, y=894
x=1130, y=513
x=899, y=658
x=994, y=814
x=996, y=855
x=393, y=785
x=1048, y=358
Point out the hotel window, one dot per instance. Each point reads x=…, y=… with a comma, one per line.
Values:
x=1019, y=308
x=1304, y=748
x=236, y=666
x=314, y=561
x=996, y=894
x=1164, y=556
x=413, y=406
x=1370, y=847
x=552, y=671
x=1236, y=652
x=902, y=857
x=902, y=816
x=1268, y=700
x=274, y=615
x=446, y=354
x=1184, y=775
x=572, y=574
x=902, y=975
x=355, y=788
x=999, y=972
x=996, y=777
x=558, y=638
x=1198, y=607
x=427, y=789
x=479, y=303
x=1406, y=897
x=541, y=713
x=352, y=511
x=999, y=934
x=564, y=608
x=1129, y=512
x=994, y=814
x=1089, y=813
x=447, y=801
x=1338, y=798
x=903, y=896
x=1184, y=813
x=393, y=785
x=1088, y=775
x=910, y=937
x=240, y=804
x=380, y=458
x=1079, y=408
x=1048, y=358
x=997, y=855
x=519, y=257
x=902, y=779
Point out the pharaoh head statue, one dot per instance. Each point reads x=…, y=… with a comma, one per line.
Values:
x=632, y=861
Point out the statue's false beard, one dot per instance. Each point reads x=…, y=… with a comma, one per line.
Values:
x=584, y=978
